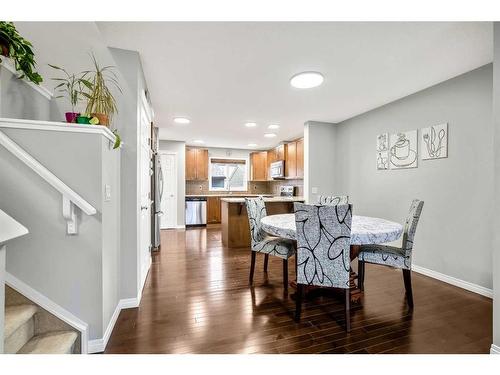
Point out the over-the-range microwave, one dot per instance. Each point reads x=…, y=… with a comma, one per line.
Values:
x=277, y=169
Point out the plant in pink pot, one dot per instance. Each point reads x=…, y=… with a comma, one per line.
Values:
x=69, y=87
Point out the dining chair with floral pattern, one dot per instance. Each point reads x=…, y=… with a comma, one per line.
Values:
x=263, y=243
x=323, y=250
x=333, y=200
x=393, y=256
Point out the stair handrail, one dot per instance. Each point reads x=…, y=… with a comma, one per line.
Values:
x=70, y=197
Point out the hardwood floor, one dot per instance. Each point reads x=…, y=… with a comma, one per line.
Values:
x=197, y=300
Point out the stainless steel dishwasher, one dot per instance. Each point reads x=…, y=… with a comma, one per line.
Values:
x=196, y=211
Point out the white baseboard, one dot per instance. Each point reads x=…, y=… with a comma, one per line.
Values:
x=99, y=345
x=494, y=349
x=51, y=307
x=454, y=281
x=129, y=303
x=175, y=227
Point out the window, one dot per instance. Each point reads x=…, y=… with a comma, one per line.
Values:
x=228, y=174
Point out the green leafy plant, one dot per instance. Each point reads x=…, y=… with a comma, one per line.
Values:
x=118, y=140
x=97, y=82
x=20, y=50
x=69, y=87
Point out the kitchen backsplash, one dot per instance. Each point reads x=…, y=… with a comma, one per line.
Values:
x=201, y=187
x=274, y=186
x=254, y=187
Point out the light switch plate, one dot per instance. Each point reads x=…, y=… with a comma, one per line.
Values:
x=107, y=193
x=314, y=190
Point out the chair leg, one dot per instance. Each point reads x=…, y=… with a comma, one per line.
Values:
x=266, y=260
x=285, y=274
x=409, y=292
x=252, y=266
x=298, y=303
x=348, y=310
x=361, y=274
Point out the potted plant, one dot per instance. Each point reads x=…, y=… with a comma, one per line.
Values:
x=70, y=87
x=100, y=101
x=13, y=45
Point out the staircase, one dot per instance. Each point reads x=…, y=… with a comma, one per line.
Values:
x=29, y=329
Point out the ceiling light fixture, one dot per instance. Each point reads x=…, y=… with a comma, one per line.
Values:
x=306, y=80
x=269, y=135
x=251, y=124
x=252, y=145
x=198, y=141
x=181, y=120
x=273, y=126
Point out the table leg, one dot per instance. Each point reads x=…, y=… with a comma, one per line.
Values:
x=356, y=293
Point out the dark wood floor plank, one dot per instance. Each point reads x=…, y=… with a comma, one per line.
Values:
x=197, y=300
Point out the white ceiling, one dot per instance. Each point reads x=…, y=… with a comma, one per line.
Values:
x=221, y=75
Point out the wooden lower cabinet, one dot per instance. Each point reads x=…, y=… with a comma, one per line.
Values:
x=213, y=210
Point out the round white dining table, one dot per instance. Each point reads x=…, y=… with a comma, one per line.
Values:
x=365, y=230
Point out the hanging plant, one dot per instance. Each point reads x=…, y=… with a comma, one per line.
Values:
x=14, y=46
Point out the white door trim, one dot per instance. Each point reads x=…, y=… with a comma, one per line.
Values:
x=176, y=188
x=140, y=269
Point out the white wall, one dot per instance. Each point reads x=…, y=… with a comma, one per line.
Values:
x=453, y=237
x=496, y=200
x=178, y=148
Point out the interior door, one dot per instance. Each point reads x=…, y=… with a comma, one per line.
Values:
x=169, y=195
x=145, y=170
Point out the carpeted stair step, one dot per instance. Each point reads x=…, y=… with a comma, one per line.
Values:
x=59, y=342
x=19, y=326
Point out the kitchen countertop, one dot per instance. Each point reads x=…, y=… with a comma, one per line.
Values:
x=266, y=199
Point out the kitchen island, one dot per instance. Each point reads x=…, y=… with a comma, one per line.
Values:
x=235, y=228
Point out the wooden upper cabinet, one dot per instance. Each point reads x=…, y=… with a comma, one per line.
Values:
x=291, y=160
x=279, y=152
x=202, y=164
x=300, y=158
x=196, y=164
x=258, y=161
x=190, y=163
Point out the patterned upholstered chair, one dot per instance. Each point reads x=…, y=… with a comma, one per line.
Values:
x=333, y=200
x=398, y=257
x=323, y=250
x=263, y=243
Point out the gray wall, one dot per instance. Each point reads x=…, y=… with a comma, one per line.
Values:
x=453, y=237
x=319, y=158
x=127, y=120
x=19, y=100
x=179, y=148
x=496, y=200
x=67, y=269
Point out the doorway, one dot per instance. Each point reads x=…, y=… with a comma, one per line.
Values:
x=168, y=162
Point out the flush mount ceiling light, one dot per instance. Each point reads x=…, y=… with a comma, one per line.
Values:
x=198, y=141
x=181, y=120
x=251, y=124
x=273, y=126
x=306, y=80
x=269, y=135
x=252, y=145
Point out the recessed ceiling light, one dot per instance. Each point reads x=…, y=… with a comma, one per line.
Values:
x=273, y=126
x=181, y=120
x=306, y=80
x=269, y=135
x=198, y=141
x=252, y=145
x=251, y=124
